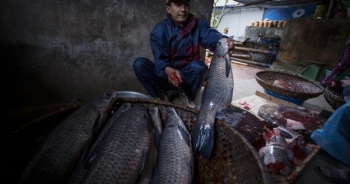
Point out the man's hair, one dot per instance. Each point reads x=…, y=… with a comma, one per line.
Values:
x=168, y=3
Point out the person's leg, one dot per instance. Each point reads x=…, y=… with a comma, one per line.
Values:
x=193, y=75
x=145, y=72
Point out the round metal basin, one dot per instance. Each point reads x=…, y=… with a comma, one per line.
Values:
x=131, y=94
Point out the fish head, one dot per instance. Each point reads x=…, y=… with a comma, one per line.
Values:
x=105, y=101
x=171, y=117
x=221, y=48
x=153, y=110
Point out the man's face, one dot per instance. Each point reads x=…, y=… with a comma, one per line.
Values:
x=179, y=11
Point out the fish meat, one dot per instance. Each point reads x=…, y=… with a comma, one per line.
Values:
x=244, y=122
x=151, y=159
x=277, y=140
x=293, y=138
x=276, y=160
x=175, y=158
x=55, y=160
x=217, y=95
x=80, y=170
x=121, y=155
x=277, y=154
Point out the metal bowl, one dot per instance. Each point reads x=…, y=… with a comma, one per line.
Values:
x=131, y=94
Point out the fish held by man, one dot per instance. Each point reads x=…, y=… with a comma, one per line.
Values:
x=56, y=159
x=217, y=95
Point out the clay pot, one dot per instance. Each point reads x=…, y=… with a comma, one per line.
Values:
x=261, y=24
x=256, y=24
x=266, y=23
x=251, y=23
x=280, y=24
x=284, y=24
x=275, y=23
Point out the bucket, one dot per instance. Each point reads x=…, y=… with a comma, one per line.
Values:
x=288, y=99
x=320, y=10
x=338, y=77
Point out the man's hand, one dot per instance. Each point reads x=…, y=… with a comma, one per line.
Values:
x=231, y=45
x=174, y=76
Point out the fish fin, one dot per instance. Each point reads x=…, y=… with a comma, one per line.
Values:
x=97, y=125
x=144, y=157
x=90, y=161
x=285, y=134
x=157, y=138
x=185, y=136
x=149, y=123
x=154, y=176
x=190, y=171
x=228, y=66
x=221, y=114
x=83, y=156
x=203, y=94
x=183, y=97
x=203, y=139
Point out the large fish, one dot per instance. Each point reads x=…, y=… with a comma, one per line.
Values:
x=120, y=156
x=81, y=166
x=175, y=158
x=151, y=159
x=62, y=148
x=217, y=95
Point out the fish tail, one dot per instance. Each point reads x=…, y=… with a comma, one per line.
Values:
x=203, y=139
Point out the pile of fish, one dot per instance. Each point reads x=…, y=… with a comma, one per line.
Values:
x=129, y=145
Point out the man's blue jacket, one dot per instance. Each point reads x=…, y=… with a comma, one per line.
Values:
x=176, y=46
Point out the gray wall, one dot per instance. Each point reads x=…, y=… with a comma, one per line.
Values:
x=66, y=50
x=310, y=39
x=253, y=32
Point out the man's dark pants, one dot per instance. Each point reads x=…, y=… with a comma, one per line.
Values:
x=192, y=76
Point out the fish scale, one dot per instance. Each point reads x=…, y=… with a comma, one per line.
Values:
x=80, y=169
x=175, y=159
x=217, y=95
x=63, y=146
x=121, y=154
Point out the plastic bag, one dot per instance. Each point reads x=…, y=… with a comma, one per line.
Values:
x=334, y=137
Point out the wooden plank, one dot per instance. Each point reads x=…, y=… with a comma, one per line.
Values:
x=298, y=169
x=254, y=102
x=253, y=50
x=274, y=99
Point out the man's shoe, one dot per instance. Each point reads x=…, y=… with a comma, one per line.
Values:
x=191, y=104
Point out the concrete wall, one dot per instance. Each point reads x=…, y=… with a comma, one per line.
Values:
x=253, y=32
x=238, y=19
x=65, y=50
x=310, y=39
